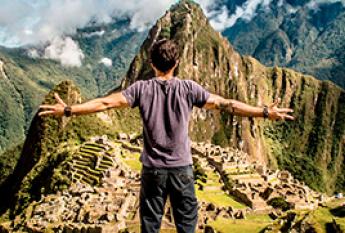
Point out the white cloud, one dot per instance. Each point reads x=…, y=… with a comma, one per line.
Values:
x=52, y=22
x=10, y=16
x=106, y=61
x=35, y=22
x=314, y=4
x=39, y=21
x=91, y=34
x=280, y=3
x=64, y=50
x=33, y=53
x=247, y=11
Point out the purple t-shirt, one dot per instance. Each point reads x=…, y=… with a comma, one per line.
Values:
x=165, y=107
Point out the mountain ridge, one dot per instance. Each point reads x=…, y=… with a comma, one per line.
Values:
x=297, y=36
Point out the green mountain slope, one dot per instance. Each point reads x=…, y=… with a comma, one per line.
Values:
x=295, y=35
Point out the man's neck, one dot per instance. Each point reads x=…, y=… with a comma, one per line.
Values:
x=165, y=76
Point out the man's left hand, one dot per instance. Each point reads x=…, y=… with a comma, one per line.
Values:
x=275, y=113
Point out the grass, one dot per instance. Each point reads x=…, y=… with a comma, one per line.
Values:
x=219, y=198
x=136, y=229
x=212, y=179
x=323, y=215
x=321, y=218
x=132, y=160
x=253, y=224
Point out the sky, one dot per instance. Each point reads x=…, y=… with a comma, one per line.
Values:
x=38, y=21
x=49, y=22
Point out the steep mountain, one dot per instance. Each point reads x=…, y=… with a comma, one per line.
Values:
x=310, y=147
x=297, y=34
x=24, y=80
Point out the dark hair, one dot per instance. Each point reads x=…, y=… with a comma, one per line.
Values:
x=164, y=55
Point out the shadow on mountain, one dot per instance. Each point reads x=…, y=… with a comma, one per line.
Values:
x=28, y=159
x=338, y=211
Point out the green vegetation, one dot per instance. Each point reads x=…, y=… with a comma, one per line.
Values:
x=218, y=198
x=319, y=220
x=212, y=191
x=131, y=159
x=8, y=160
x=49, y=147
x=306, y=40
x=279, y=203
x=325, y=215
x=304, y=155
x=253, y=224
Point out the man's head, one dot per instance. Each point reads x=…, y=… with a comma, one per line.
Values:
x=164, y=55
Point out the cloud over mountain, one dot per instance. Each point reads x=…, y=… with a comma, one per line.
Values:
x=43, y=22
x=64, y=50
x=223, y=19
x=33, y=22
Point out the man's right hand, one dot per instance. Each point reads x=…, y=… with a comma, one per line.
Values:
x=115, y=100
x=55, y=110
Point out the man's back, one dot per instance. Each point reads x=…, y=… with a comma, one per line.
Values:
x=165, y=106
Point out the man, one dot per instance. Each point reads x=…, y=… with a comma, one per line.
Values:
x=165, y=104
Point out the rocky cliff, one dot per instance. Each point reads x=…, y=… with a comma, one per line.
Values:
x=310, y=147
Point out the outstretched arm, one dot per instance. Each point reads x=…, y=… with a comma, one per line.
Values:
x=241, y=109
x=115, y=100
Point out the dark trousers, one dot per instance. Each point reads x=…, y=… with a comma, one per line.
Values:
x=156, y=185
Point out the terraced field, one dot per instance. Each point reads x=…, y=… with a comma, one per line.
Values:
x=90, y=163
x=212, y=192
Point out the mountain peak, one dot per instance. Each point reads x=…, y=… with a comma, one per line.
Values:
x=185, y=7
x=198, y=42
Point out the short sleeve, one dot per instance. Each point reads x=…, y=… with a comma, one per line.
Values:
x=133, y=93
x=199, y=94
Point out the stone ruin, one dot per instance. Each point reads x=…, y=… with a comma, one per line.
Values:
x=104, y=195
x=252, y=183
